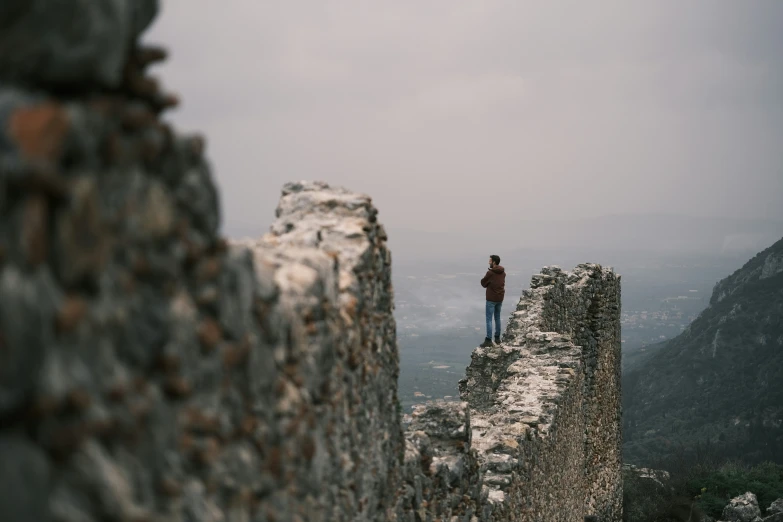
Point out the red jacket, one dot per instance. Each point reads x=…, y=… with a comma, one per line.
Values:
x=495, y=283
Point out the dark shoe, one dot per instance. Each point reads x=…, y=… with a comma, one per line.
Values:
x=487, y=343
x=497, y=340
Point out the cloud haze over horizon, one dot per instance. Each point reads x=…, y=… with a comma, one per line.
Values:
x=453, y=116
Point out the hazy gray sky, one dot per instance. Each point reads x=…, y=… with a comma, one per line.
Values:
x=453, y=114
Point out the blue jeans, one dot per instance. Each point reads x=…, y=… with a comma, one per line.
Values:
x=493, y=308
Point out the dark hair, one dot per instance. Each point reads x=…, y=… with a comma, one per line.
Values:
x=495, y=258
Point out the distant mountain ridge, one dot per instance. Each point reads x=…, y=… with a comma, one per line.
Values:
x=721, y=380
x=766, y=264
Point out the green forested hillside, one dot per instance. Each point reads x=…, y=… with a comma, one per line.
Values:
x=721, y=381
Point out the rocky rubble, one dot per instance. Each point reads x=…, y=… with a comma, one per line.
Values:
x=745, y=508
x=441, y=476
x=776, y=507
x=658, y=476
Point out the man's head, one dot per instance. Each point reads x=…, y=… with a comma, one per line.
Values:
x=494, y=261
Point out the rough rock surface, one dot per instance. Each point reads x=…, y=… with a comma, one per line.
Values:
x=127, y=328
x=326, y=253
x=441, y=477
x=151, y=371
x=775, y=507
x=743, y=508
x=545, y=404
x=647, y=491
x=326, y=260
x=67, y=44
x=658, y=476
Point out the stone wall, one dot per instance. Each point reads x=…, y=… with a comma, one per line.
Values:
x=152, y=371
x=545, y=404
x=326, y=254
x=335, y=420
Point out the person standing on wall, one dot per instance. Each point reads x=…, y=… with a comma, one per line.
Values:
x=495, y=283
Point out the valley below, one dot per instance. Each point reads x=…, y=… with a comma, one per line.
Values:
x=440, y=311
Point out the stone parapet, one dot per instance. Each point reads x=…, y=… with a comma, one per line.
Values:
x=337, y=352
x=545, y=404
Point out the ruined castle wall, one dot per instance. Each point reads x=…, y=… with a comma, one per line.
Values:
x=590, y=313
x=152, y=371
x=545, y=404
x=529, y=443
x=326, y=252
